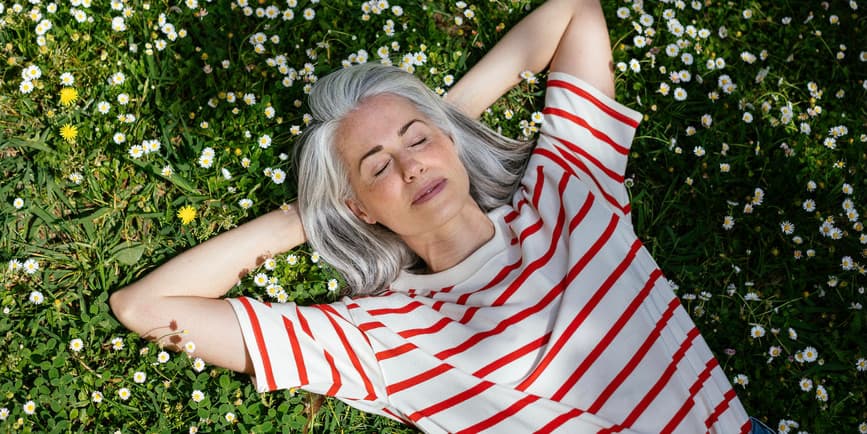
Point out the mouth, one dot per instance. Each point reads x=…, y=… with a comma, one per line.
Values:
x=428, y=192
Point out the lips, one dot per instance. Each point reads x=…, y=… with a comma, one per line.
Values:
x=429, y=190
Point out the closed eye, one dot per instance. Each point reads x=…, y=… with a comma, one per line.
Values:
x=382, y=169
x=419, y=142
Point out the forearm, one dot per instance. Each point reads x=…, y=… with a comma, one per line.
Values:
x=210, y=269
x=531, y=45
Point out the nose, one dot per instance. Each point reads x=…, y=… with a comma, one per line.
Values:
x=411, y=168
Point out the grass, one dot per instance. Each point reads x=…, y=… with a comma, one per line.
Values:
x=778, y=159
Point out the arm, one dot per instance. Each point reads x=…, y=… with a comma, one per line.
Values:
x=184, y=293
x=570, y=35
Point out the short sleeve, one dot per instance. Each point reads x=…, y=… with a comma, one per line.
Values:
x=589, y=133
x=315, y=348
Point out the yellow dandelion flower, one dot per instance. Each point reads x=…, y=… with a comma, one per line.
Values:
x=186, y=214
x=69, y=133
x=68, y=95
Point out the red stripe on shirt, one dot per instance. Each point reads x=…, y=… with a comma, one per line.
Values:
x=418, y=379
x=329, y=312
x=587, y=96
x=572, y=150
x=514, y=355
x=560, y=420
x=721, y=408
x=394, y=352
x=577, y=268
x=637, y=357
x=540, y=184
x=372, y=325
x=639, y=409
x=336, y=382
x=397, y=310
x=451, y=402
x=585, y=209
x=584, y=124
x=612, y=332
x=690, y=401
x=260, y=342
x=296, y=352
x=439, y=325
x=559, y=161
x=502, y=415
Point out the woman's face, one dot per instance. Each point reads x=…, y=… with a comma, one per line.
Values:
x=405, y=171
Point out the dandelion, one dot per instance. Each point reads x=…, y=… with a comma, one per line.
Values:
x=187, y=213
x=197, y=396
x=29, y=407
x=68, y=95
x=123, y=393
x=96, y=396
x=76, y=345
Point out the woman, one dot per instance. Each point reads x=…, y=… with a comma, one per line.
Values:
x=493, y=289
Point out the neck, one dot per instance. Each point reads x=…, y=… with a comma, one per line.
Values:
x=454, y=241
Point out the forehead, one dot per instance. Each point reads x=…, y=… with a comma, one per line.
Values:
x=376, y=120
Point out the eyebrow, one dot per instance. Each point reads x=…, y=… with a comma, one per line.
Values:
x=377, y=148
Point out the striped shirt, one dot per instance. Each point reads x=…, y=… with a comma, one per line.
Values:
x=562, y=322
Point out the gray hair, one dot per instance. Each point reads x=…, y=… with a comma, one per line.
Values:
x=370, y=257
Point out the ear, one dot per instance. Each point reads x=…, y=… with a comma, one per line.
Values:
x=358, y=209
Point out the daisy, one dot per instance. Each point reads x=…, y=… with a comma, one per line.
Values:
x=292, y=259
x=199, y=364
x=861, y=364
x=679, y=94
x=136, y=151
x=163, y=357
x=278, y=176
x=806, y=384
x=26, y=87
x=230, y=417
x=309, y=14
x=757, y=331
x=821, y=393
x=810, y=354
x=332, y=285
x=728, y=222
x=103, y=107
x=167, y=171
x=197, y=396
x=18, y=203
x=260, y=280
x=123, y=393
x=117, y=343
x=4, y=413
x=139, y=377
x=190, y=347
x=787, y=227
x=96, y=396
x=264, y=141
x=30, y=266
x=314, y=257
x=76, y=345
x=741, y=380
x=245, y=203
x=36, y=297
x=29, y=407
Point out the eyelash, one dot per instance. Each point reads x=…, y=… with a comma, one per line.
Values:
x=385, y=166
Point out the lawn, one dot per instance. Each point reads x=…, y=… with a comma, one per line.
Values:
x=131, y=131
